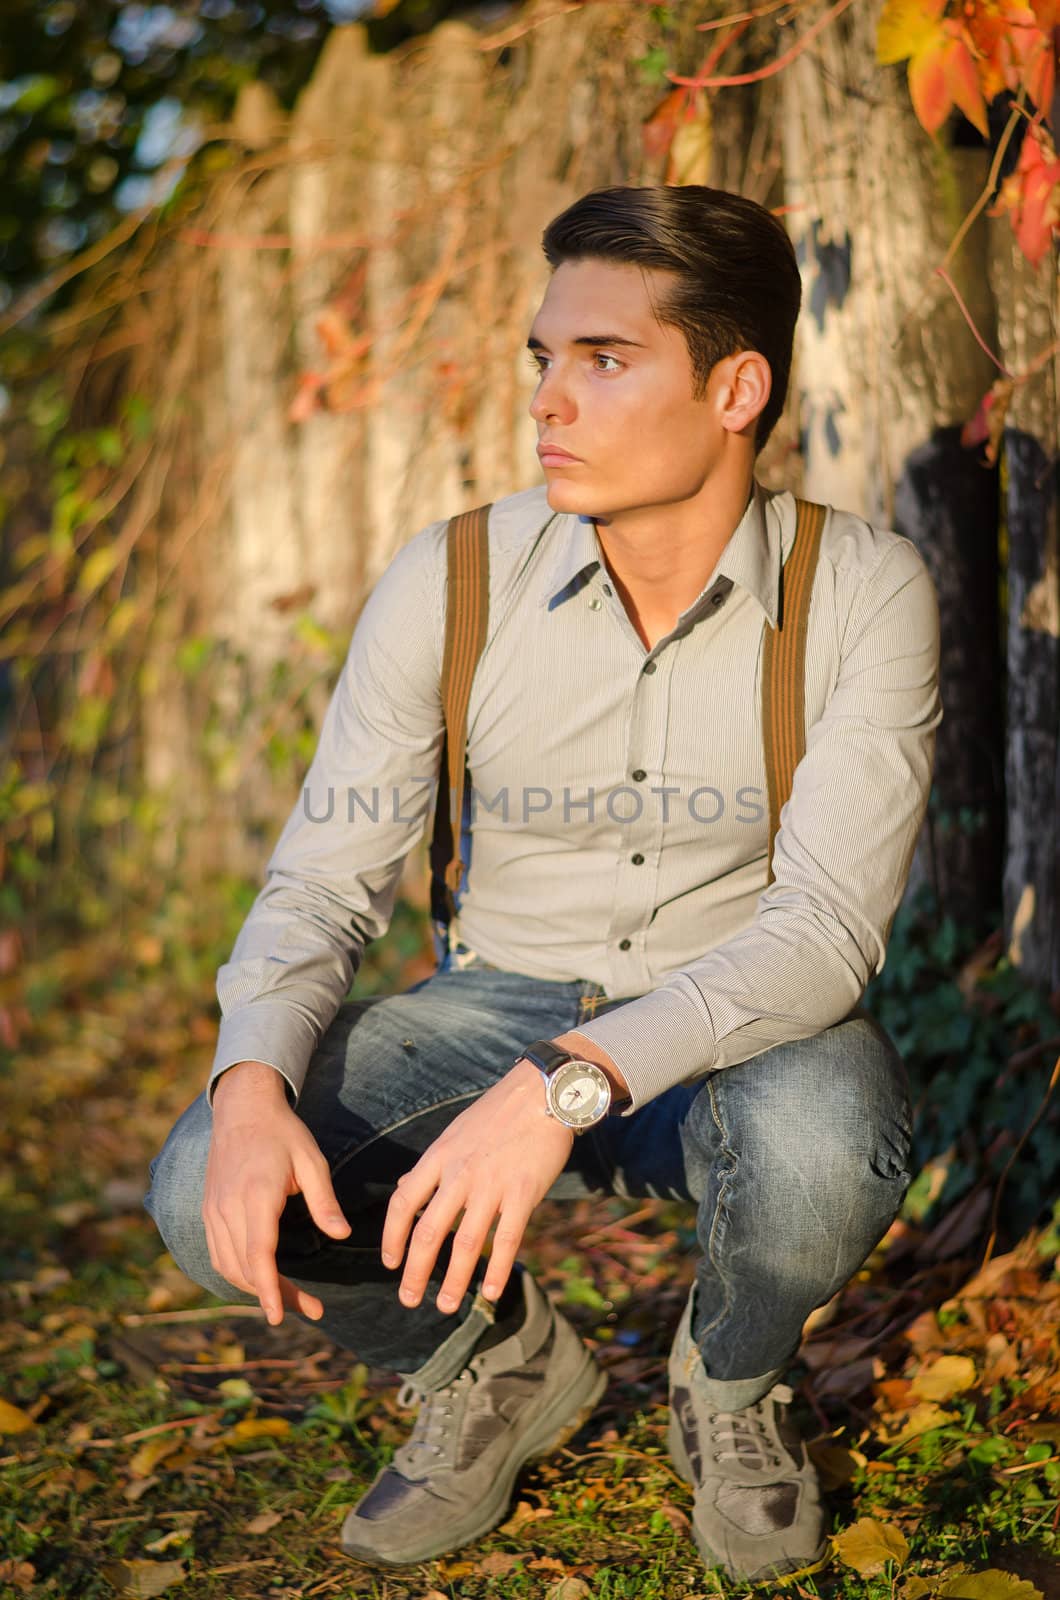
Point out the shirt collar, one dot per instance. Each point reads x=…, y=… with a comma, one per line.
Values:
x=578, y=555
x=751, y=558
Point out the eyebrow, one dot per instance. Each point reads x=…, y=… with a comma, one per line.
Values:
x=590, y=339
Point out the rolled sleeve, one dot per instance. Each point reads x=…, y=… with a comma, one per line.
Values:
x=332, y=877
x=841, y=859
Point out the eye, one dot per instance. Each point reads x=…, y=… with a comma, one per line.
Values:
x=535, y=359
x=600, y=356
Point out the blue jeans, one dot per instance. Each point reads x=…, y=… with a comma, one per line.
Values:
x=795, y=1161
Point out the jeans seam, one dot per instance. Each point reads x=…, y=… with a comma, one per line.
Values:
x=715, y=1221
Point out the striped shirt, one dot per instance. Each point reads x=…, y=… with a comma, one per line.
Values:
x=618, y=803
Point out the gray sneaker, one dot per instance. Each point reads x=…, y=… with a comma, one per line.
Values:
x=452, y=1480
x=757, y=1509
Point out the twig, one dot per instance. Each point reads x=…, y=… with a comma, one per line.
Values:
x=138, y=1319
x=237, y=1366
x=148, y=1433
x=772, y=67
x=970, y=320
x=742, y=16
x=1054, y=1078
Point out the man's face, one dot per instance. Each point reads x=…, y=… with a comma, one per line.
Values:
x=616, y=392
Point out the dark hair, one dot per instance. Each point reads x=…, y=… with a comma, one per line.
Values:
x=736, y=285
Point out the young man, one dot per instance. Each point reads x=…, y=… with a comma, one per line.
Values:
x=619, y=907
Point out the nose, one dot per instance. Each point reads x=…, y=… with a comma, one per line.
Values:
x=552, y=399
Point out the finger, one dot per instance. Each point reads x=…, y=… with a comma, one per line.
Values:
x=223, y=1255
x=313, y=1177
x=464, y=1256
x=427, y=1239
x=413, y=1190
x=262, y=1234
x=301, y=1300
x=506, y=1241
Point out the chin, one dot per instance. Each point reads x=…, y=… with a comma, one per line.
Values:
x=571, y=497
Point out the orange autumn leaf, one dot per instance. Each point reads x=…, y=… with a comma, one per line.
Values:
x=942, y=71
x=1031, y=195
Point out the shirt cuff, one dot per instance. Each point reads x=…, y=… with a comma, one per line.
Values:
x=269, y=1032
x=658, y=1040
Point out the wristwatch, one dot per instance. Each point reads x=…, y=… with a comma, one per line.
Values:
x=577, y=1092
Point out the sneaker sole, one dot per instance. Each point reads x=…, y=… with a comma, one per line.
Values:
x=770, y=1574
x=553, y=1428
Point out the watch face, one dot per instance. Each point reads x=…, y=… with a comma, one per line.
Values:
x=579, y=1093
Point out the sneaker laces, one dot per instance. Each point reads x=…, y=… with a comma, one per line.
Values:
x=746, y=1436
x=434, y=1434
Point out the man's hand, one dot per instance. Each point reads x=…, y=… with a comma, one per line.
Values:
x=261, y=1152
x=494, y=1163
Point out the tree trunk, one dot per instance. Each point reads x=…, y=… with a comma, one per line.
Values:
x=1029, y=321
x=888, y=371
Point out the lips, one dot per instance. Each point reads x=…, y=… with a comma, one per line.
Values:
x=555, y=450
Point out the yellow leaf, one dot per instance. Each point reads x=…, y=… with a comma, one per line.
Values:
x=260, y=1427
x=690, y=151
x=13, y=1419
x=166, y=1541
x=993, y=1584
x=905, y=28
x=948, y=1376
x=151, y=1452
x=869, y=1545
x=920, y=1420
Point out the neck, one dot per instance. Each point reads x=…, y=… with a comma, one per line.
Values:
x=662, y=557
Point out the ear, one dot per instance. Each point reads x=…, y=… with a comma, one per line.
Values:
x=745, y=391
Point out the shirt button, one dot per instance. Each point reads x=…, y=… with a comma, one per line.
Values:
x=595, y=603
x=637, y=860
x=626, y=944
x=649, y=667
x=607, y=588
x=639, y=775
x=717, y=599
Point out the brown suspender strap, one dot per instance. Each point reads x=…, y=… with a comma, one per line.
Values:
x=466, y=616
x=784, y=665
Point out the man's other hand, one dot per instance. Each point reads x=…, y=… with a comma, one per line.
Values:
x=261, y=1152
x=495, y=1162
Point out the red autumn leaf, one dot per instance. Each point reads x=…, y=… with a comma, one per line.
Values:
x=658, y=132
x=1031, y=195
x=988, y=424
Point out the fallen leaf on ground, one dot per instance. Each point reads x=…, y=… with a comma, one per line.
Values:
x=13, y=1419
x=920, y=1420
x=523, y=1513
x=989, y=1585
x=569, y=1589
x=263, y=1522
x=948, y=1376
x=869, y=1545
x=152, y=1452
x=140, y=1580
x=677, y=1518
x=259, y=1428
x=19, y=1574
x=166, y=1541
x=498, y=1564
